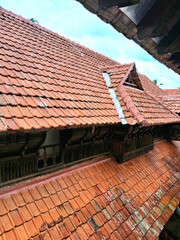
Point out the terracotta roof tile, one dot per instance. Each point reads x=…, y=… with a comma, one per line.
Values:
x=141, y=102
x=170, y=97
x=55, y=233
x=9, y=203
x=11, y=235
x=7, y=222
x=15, y=216
x=1, y=228
x=41, y=78
x=151, y=111
x=42, y=205
x=31, y=228
x=55, y=215
x=25, y=213
x=35, y=193
x=43, y=191
x=46, y=236
x=33, y=209
x=44, y=88
x=62, y=211
x=135, y=200
x=48, y=220
x=150, y=87
x=172, y=102
x=40, y=223
x=27, y=196
x=3, y=209
x=172, y=91
x=63, y=230
x=118, y=73
x=56, y=200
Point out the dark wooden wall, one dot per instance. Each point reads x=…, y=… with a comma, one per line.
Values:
x=19, y=153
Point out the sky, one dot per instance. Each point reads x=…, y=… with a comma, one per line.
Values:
x=70, y=19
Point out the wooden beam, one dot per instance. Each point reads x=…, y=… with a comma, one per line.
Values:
x=176, y=61
x=105, y=4
x=170, y=43
x=159, y=19
x=175, y=58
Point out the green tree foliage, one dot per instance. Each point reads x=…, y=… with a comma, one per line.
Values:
x=33, y=20
x=156, y=82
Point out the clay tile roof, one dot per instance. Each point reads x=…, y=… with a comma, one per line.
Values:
x=141, y=103
x=173, y=104
x=150, y=87
x=132, y=200
x=150, y=108
x=117, y=73
x=174, y=92
x=47, y=81
x=172, y=99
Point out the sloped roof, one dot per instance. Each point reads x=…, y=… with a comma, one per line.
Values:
x=103, y=199
x=172, y=99
x=173, y=103
x=117, y=73
x=172, y=91
x=142, y=104
x=120, y=73
x=151, y=111
x=49, y=81
x=150, y=87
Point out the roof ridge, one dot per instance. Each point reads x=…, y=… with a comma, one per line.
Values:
x=171, y=89
x=172, y=92
x=129, y=103
x=37, y=25
x=131, y=66
x=149, y=80
x=102, y=69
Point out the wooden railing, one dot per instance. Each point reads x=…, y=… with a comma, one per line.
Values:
x=17, y=167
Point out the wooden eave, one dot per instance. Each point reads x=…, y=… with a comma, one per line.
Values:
x=153, y=24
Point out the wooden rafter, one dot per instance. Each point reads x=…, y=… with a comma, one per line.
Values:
x=130, y=22
x=170, y=43
x=159, y=19
x=105, y=4
x=175, y=58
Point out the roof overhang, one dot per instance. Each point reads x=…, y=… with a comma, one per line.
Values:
x=153, y=24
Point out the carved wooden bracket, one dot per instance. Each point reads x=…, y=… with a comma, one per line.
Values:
x=18, y=155
x=82, y=143
x=136, y=141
